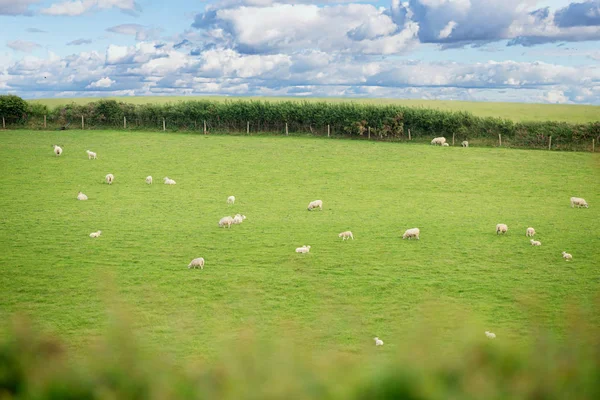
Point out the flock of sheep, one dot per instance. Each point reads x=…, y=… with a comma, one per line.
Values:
x=408, y=234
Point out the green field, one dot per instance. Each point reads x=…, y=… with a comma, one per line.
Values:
x=512, y=111
x=341, y=294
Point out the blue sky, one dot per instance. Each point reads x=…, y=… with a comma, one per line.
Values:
x=481, y=50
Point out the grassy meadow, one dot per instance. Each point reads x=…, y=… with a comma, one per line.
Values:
x=513, y=111
x=341, y=294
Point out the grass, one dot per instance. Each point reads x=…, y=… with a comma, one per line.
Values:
x=513, y=111
x=341, y=294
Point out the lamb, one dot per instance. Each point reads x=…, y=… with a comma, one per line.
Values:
x=491, y=335
x=465, y=144
x=169, y=181
x=81, y=196
x=226, y=221
x=91, y=155
x=579, y=202
x=346, y=235
x=535, y=242
x=57, y=149
x=238, y=219
x=304, y=249
x=439, y=140
x=109, y=178
x=231, y=200
x=149, y=180
x=501, y=228
x=445, y=144
x=315, y=204
x=378, y=342
x=95, y=234
x=530, y=232
x=567, y=256
x=197, y=262
x=411, y=233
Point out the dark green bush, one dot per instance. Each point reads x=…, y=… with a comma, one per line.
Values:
x=13, y=108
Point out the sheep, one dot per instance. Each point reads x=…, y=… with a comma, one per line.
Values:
x=91, y=155
x=81, y=196
x=57, y=149
x=579, y=202
x=465, y=144
x=238, y=219
x=535, y=242
x=109, y=178
x=501, y=228
x=304, y=249
x=445, y=144
x=346, y=235
x=491, y=335
x=149, y=180
x=95, y=234
x=411, y=233
x=378, y=342
x=530, y=232
x=439, y=140
x=197, y=262
x=169, y=181
x=226, y=221
x=315, y=204
x=567, y=256
x=231, y=200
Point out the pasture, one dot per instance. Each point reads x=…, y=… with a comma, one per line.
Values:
x=338, y=296
x=517, y=112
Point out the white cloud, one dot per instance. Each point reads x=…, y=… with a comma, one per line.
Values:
x=79, y=7
x=23, y=45
x=140, y=32
x=105, y=82
x=16, y=7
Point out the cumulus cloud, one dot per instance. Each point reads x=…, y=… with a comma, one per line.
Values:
x=79, y=42
x=18, y=7
x=79, y=7
x=103, y=83
x=23, y=45
x=140, y=32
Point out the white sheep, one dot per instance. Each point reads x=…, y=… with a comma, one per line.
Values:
x=57, y=150
x=465, y=144
x=530, y=232
x=226, y=221
x=169, y=181
x=197, y=262
x=491, y=335
x=567, y=256
x=109, y=178
x=95, y=234
x=91, y=155
x=315, y=204
x=411, y=233
x=439, y=140
x=445, y=144
x=579, y=202
x=238, y=219
x=304, y=249
x=149, y=180
x=501, y=228
x=231, y=200
x=346, y=235
x=535, y=242
x=81, y=196
x=378, y=342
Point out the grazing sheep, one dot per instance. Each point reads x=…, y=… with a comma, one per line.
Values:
x=238, y=219
x=579, y=202
x=95, y=234
x=169, y=181
x=346, y=235
x=465, y=144
x=315, y=204
x=439, y=140
x=231, y=200
x=81, y=196
x=91, y=155
x=304, y=249
x=491, y=335
x=225, y=221
x=109, y=178
x=501, y=228
x=530, y=232
x=378, y=342
x=57, y=150
x=197, y=262
x=445, y=144
x=411, y=233
x=567, y=256
x=149, y=180
x=535, y=242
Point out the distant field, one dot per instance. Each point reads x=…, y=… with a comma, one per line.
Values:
x=343, y=293
x=513, y=111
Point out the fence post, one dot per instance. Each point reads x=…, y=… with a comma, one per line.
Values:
x=369, y=133
x=82, y=123
x=3, y=123
x=593, y=145
x=500, y=139
x=205, y=127
x=327, y=130
x=286, y=129
x=452, y=138
x=124, y=122
x=550, y=143
x=247, y=127
x=164, y=125
x=44, y=122
x=195, y=126
x=409, y=135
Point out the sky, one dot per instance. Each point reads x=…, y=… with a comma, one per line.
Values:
x=474, y=50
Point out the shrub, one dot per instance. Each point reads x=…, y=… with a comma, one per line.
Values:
x=13, y=108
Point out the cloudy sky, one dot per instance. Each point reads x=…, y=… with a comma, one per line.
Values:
x=491, y=50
